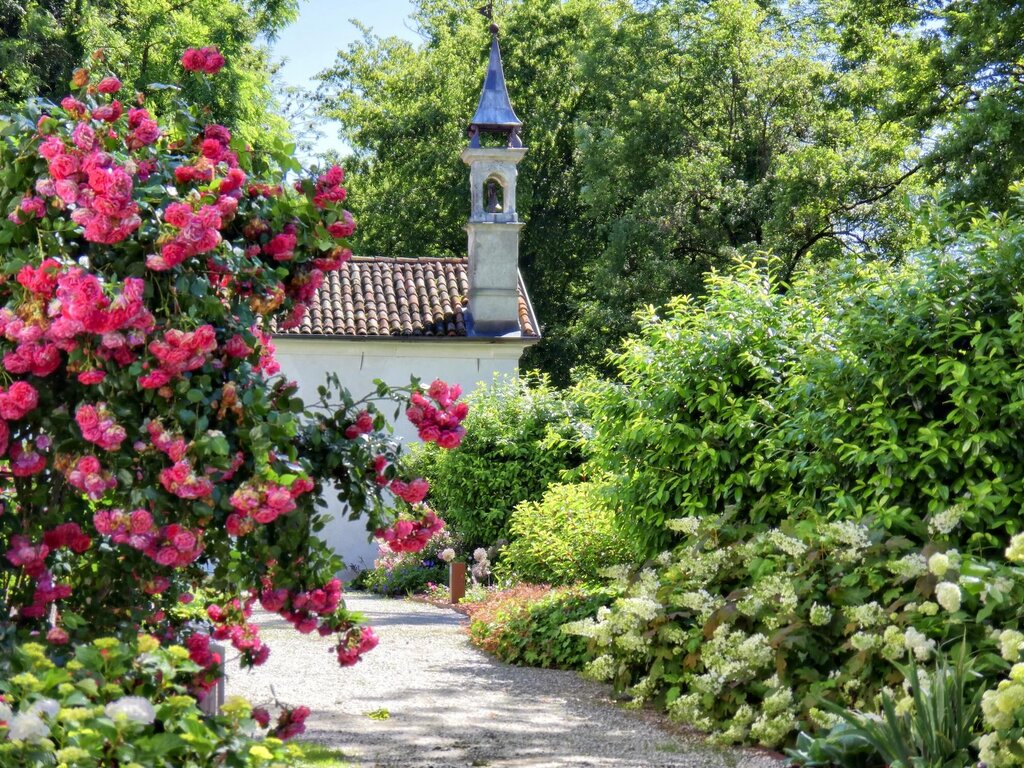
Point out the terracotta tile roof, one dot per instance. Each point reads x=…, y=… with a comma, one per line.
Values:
x=374, y=296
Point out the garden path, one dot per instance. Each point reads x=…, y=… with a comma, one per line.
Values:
x=449, y=705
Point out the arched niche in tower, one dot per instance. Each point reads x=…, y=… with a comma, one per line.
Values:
x=493, y=193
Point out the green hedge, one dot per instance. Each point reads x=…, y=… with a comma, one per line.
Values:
x=859, y=390
x=568, y=536
x=521, y=434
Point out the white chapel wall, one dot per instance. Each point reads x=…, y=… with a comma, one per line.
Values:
x=465, y=362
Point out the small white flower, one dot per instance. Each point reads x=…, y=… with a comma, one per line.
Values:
x=948, y=596
x=480, y=554
x=28, y=726
x=918, y=643
x=134, y=708
x=448, y=555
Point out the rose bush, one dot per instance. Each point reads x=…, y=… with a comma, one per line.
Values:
x=148, y=444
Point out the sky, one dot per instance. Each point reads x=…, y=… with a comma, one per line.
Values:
x=308, y=46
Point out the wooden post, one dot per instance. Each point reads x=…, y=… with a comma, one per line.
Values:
x=457, y=581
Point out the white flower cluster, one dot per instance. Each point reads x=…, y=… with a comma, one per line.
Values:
x=944, y=522
x=918, y=643
x=1015, y=552
x=820, y=615
x=1003, y=709
x=774, y=596
x=948, y=596
x=909, y=567
x=30, y=725
x=1010, y=643
x=849, y=539
x=135, y=709
x=867, y=615
x=687, y=526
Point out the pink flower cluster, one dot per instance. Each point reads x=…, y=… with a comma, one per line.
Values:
x=26, y=457
x=168, y=443
x=207, y=60
x=361, y=426
x=173, y=546
x=328, y=187
x=231, y=623
x=199, y=652
x=143, y=129
x=411, y=535
x=181, y=480
x=354, y=643
x=343, y=228
x=88, y=476
x=413, y=492
x=99, y=427
x=85, y=176
x=305, y=610
x=177, y=352
x=439, y=421
x=197, y=232
x=31, y=558
x=263, y=502
x=18, y=400
x=291, y=722
x=31, y=206
x=76, y=303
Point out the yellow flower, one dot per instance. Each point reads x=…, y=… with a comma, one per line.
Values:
x=177, y=652
x=148, y=643
x=258, y=750
x=71, y=754
x=27, y=680
x=236, y=705
x=106, y=643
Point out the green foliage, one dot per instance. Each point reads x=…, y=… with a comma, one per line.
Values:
x=76, y=696
x=521, y=435
x=950, y=71
x=566, y=537
x=937, y=730
x=41, y=43
x=861, y=390
x=523, y=626
x=662, y=137
x=406, y=573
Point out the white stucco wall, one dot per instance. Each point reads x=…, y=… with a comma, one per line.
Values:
x=466, y=362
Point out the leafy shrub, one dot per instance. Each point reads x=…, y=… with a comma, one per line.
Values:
x=745, y=634
x=114, y=703
x=520, y=437
x=523, y=625
x=406, y=573
x=566, y=537
x=860, y=390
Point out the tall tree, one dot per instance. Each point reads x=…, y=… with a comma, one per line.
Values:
x=43, y=41
x=663, y=136
x=953, y=72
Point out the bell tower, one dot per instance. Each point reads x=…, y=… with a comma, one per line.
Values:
x=493, y=225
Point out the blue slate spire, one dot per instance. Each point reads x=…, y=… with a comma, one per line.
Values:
x=494, y=114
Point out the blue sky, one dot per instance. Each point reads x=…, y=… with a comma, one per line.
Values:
x=323, y=27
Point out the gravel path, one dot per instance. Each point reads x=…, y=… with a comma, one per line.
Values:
x=452, y=706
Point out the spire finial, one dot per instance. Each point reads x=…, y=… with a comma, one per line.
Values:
x=494, y=113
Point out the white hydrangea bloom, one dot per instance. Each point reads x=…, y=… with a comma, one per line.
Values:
x=6, y=713
x=134, y=708
x=1015, y=552
x=938, y=564
x=448, y=554
x=909, y=567
x=27, y=726
x=947, y=595
x=687, y=526
x=849, y=539
x=786, y=544
x=944, y=522
x=820, y=615
x=642, y=607
x=918, y=643
x=867, y=615
x=1010, y=642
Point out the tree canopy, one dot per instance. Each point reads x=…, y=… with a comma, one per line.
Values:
x=663, y=137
